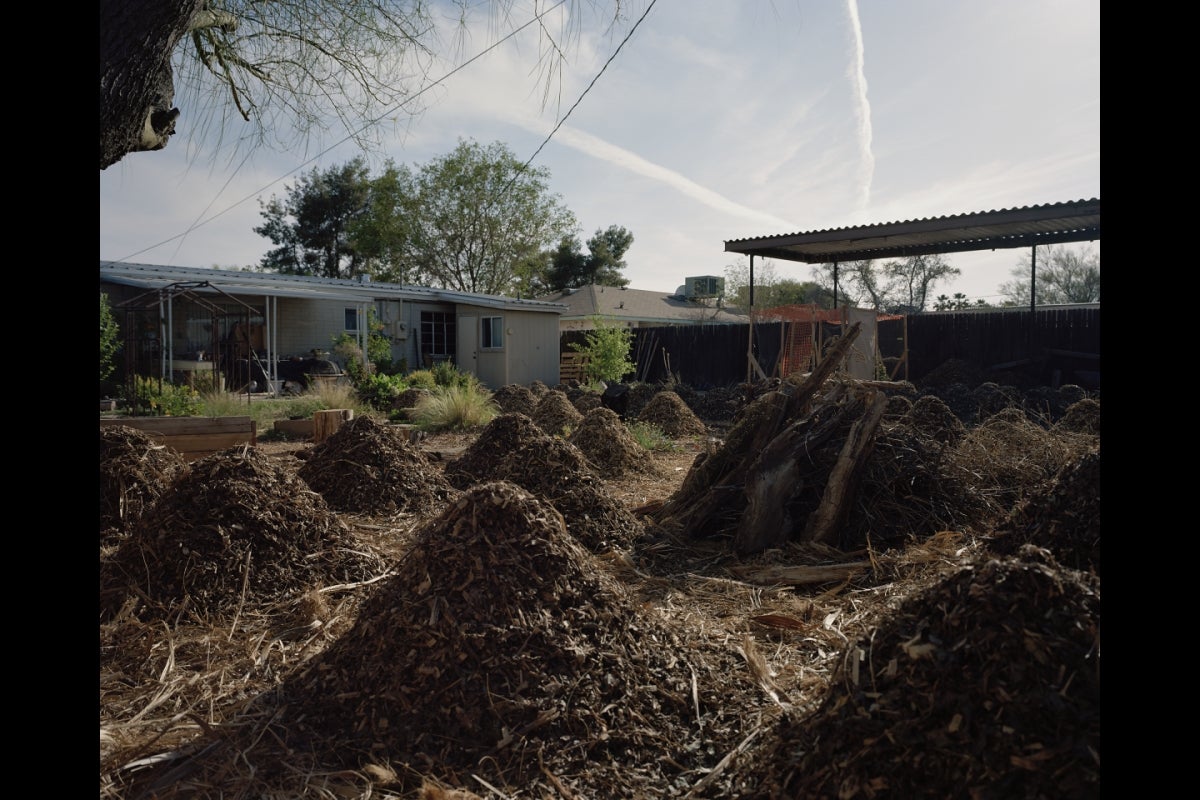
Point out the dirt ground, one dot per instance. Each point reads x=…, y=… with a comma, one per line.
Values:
x=511, y=612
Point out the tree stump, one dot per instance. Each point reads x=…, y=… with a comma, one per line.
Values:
x=326, y=423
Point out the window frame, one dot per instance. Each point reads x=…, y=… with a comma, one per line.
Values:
x=490, y=329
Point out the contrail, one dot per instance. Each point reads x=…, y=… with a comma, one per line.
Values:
x=862, y=109
x=598, y=148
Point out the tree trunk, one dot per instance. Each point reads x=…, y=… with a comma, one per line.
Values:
x=326, y=423
x=137, y=40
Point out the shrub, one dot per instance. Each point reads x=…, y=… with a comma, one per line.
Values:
x=607, y=347
x=109, y=339
x=454, y=408
x=379, y=391
x=165, y=398
x=421, y=379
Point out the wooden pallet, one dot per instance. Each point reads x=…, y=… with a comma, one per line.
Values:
x=570, y=367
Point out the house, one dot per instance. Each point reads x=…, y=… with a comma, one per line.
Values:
x=637, y=308
x=180, y=319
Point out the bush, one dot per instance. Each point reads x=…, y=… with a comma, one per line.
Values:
x=454, y=408
x=651, y=437
x=167, y=399
x=379, y=391
x=607, y=347
x=109, y=339
x=421, y=379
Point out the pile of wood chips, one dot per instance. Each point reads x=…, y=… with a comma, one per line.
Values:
x=667, y=411
x=367, y=466
x=555, y=414
x=529, y=636
x=514, y=448
x=134, y=472
x=516, y=397
x=609, y=446
x=234, y=529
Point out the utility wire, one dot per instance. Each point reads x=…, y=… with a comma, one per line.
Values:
x=628, y=36
x=200, y=223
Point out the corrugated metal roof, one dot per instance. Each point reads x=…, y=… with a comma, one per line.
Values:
x=1054, y=223
x=270, y=284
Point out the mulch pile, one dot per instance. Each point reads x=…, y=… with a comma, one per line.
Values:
x=667, y=411
x=515, y=397
x=236, y=528
x=609, y=446
x=1063, y=518
x=369, y=467
x=499, y=650
x=985, y=685
x=134, y=472
x=513, y=448
x=555, y=414
x=1082, y=416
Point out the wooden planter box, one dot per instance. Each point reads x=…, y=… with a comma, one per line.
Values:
x=193, y=437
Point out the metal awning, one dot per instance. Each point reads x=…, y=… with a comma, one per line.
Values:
x=1055, y=223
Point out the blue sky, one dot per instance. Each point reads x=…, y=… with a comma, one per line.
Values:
x=717, y=120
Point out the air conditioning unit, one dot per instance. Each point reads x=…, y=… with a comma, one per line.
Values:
x=704, y=286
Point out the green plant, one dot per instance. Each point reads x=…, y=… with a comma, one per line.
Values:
x=447, y=374
x=166, y=399
x=421, y=379
x=454, y=408
x=379, y=351
x=379, y=391
x=109, y=338
x=607, y=347
x=651, y=437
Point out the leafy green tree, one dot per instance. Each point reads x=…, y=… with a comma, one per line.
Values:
x=381, y=234
x=109, y=338
x=311, y=227
x=570, y=268
x=1064, y=275
x=607, y=346
x=479, y=216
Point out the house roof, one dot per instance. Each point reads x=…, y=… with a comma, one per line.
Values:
x=1054, y=223
x=637, y=304
x=150, y=276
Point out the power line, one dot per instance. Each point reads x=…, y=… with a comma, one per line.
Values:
x=200, y=223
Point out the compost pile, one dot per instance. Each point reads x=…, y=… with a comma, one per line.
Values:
x=667, y=411
x=1063, y=518
x=821, y=460
x=555, y=414
x=609, y=446
x=370, y=467
x=234, y=529
x=513, y=448
x=134, y=472
x=516, y=397
x=496, y=654
x=985, y=685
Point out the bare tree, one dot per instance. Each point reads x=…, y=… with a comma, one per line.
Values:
x=288, y=68
x=1064, y=275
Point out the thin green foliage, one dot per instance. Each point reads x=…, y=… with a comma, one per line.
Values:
x=607, y=346
x=454, y=408
x=651, y=437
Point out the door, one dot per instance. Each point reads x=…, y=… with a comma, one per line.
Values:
x=468, y=345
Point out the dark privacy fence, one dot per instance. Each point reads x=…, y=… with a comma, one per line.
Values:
x=1051, y=346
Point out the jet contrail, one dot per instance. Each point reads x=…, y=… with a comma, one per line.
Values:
x=862, y=109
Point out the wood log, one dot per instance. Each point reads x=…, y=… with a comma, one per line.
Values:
x=801, y=575
x=843, y=481
x=780, y=472
x=761, y=422
x=327, y=422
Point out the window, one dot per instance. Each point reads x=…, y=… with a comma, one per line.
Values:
x=352, y=320
x=438, y=336
x=492, y=336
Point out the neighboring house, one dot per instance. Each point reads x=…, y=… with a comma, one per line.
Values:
x=184, y=316
x=637, y=308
